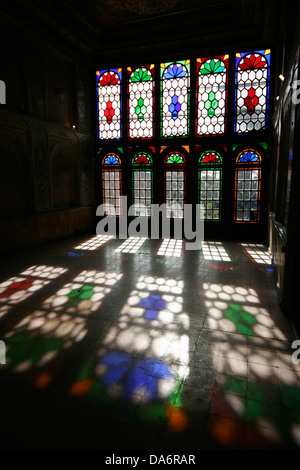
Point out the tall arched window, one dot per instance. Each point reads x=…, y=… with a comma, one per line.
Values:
x=109, y=103
x=175, y=90
x=142, y=184
x=112, y=184
x=211, y=95
x=252, y=90
x=210, y=185
x=175, y=185
x=247, y=186
x=140, y=102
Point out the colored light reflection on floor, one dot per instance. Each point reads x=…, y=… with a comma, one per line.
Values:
x=94, y=243
x=256, y=403
x=236, y=309
x=171, y=248
x=258, y=253
x=38, y=338
x=142, y=357
x=18, y=288
x=131, y=245
x=84, y=294
x=214, y=251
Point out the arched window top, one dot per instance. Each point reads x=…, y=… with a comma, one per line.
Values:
x=142, y=158
x=141, y=74
x=175, y=69
x=210, y=156
x=252, y=60
x=109, y=77
x=111, y=159
x=212, y=65
x=174, y=158
x=248, y=156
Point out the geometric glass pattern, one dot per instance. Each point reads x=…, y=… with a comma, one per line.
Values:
x=211, y=91
x=142, y=184
x=252, y=90
x=175, y=85
x=210, y=185
x=112, y=184
x=140, y=93
x=108, y=84
x=247, y=186
x=175, y=185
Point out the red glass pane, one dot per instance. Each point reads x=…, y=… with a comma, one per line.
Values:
x=253, y=61
x=210, y=157
x=109, y=78
x=142, y=159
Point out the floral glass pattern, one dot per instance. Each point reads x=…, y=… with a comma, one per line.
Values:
x=109, y=103
x=141, y=102
x=212, y=95
x=175, y=84
x=252, y=90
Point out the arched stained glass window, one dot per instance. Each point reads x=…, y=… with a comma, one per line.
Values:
x=109, y=103
x=140, y=102
x=212, y=95
x=175, y=89
x=112, y=184
x=210, y=185
x=175, y=185
x=247, y=186
x=142, y=184
x=252, y=90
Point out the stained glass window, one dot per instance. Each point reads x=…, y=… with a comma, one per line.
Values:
x=252, y=90
x=140, y=104
x=247, y=186
x=109, y=103
x=175, y=84
x=175, y=185
x=210, y=185
x=142, y=184
x=211, y=95
x=112, y=184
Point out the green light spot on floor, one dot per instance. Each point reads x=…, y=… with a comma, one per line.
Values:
x=243, y=320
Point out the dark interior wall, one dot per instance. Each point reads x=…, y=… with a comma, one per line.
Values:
x=285, y=194
x=46, y=177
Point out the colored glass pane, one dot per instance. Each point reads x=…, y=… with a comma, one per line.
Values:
x=252, y=90
x=140, y=102
x=175, y=82
x=142, y=159
x=175, y=193
x=248, y=186
x=111, y=159
x=210, y=157
x=175, y=158
x=211, y=93
x=109, y=103
x=248, y=156
x=111, y=185
x=210, y=185
x=142, y=185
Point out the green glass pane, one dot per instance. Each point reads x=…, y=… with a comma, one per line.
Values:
x=141, y=75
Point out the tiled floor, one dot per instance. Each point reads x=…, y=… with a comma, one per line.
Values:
x=117, y=347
